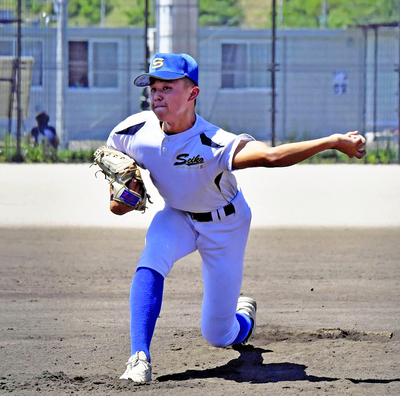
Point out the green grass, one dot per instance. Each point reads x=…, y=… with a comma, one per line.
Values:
x=39, y=154
x=42, y=154
x=376, y=156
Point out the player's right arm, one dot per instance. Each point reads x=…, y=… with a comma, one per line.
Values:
x=254, y=153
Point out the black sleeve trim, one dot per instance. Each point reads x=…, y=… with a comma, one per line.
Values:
x=208, y=142
x=131, y=130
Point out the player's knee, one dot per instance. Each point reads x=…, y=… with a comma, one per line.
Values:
x=217, y=335
x=214, y=340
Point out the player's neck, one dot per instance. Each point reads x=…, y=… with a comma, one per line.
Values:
x=181, y=125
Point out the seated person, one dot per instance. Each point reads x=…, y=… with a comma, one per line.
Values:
x=44, y=133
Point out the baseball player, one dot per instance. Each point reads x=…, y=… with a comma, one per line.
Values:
x=191, y=162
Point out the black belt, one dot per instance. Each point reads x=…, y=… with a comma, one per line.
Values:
x=204, y=217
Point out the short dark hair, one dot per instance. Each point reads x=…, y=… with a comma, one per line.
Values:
x=189, y=82
x=42, y=118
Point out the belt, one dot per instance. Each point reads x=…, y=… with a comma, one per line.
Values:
x=204, y=217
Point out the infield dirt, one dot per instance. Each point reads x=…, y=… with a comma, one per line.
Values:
x=328, y=318
x=323, y=263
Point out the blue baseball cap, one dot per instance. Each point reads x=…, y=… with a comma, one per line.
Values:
x=169, y=67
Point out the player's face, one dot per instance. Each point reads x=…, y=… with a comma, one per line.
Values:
x=170, y=99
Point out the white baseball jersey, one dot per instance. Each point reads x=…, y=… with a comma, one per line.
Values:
x=192, y=169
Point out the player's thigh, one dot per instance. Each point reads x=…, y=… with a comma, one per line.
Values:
x=222, y=249
x=169, y=238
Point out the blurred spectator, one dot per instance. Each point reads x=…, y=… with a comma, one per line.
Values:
x=45, y=135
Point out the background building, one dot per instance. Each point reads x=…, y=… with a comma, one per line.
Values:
x=328, y=80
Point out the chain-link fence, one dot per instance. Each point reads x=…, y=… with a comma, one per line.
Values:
x=323, y=80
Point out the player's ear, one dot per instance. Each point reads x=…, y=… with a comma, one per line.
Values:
x=194, y=93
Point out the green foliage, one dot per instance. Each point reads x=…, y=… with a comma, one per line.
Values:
x=87, y=12
x=40, y=153
x=220, y=13
x=81, y=156
x=340, y=13
x=296, y=13
x=373, y=157
x=136, y=13
x=301, y=13
x=38, y=7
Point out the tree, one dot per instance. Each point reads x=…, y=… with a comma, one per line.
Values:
x=135, y=13
x=220, y=13
x=86, y=12
x=301, y=13
x=340, y=13
x=248, y=13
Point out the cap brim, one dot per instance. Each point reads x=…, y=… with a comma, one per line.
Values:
x=143, y=80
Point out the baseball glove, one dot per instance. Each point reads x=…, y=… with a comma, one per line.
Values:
x=119, y=169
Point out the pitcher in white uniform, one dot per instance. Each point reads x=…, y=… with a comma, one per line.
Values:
x=191, y=163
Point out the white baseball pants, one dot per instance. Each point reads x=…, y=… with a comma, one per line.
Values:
x=221, y=244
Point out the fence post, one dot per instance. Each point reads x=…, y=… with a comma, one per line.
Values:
x=273, y=73
x=18, y=155
x=398, y=126
x=61, y=80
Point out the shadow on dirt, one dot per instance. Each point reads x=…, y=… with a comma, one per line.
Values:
x=249, y=367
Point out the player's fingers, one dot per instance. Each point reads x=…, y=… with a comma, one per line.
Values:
x=361, y=147
x=359, y=141
x=352, y=134
x=360, y=154
x=135, y=186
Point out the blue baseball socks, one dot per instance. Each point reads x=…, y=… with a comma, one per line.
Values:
x=145, y=305
x=246, y=325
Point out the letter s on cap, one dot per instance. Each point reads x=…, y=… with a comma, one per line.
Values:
x=157, y=63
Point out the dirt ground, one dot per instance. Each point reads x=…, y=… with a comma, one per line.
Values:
x=328, y=318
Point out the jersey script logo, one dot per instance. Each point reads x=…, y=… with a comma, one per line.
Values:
x=157, y=63
x=182, y=160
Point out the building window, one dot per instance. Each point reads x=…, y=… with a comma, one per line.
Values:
x=245, y=65
x=105, y=65
x=78, y=68
x=92, y=64
x=30, y=48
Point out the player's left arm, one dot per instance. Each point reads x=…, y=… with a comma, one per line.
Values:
x=119, y=208
x=254, y=153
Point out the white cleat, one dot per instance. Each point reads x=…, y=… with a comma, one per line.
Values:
x=138, y=369
x=248, y=306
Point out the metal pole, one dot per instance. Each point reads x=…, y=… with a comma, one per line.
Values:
x=280, y=14
x=146, y=37
x=18, y=155
x=375, y=78
x=398, y=127
x=364, y=98
x=273, y=74
x=145, y=105
x=323, y=14
x=103, y=13
x=61, y=82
